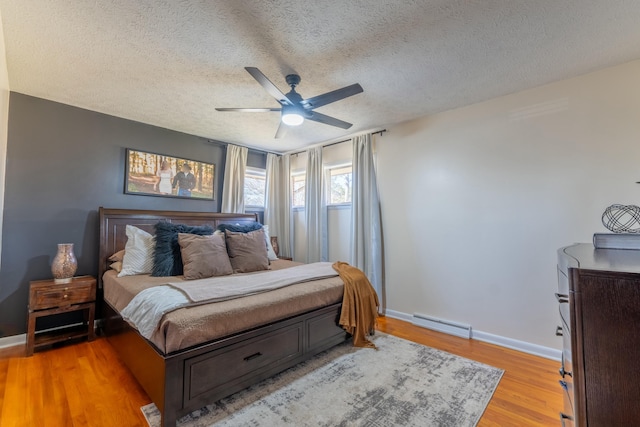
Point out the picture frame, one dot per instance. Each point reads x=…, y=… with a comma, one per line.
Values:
x=160, y=175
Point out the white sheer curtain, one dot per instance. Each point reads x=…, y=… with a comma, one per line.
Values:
x=366, y=241
x=233, y=186
x=277, y=209
x=315, y=207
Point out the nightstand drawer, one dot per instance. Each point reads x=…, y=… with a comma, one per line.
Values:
x=61, y=295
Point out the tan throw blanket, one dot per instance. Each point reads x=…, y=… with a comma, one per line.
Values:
x=359, y=304
x=222, y=288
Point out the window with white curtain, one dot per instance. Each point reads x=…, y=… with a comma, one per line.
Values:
x=340, y=181
x=254, y=187
x=297, y=188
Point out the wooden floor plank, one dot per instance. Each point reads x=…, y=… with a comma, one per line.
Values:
x=85, y=384
x=4, y=368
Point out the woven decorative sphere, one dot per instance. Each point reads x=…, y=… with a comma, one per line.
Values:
x=622, y=218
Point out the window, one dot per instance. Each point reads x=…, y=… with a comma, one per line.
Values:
x=298, y=185
x=340, y=184
x=255, y=182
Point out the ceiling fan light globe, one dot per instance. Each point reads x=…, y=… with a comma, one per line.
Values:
x=292, y=119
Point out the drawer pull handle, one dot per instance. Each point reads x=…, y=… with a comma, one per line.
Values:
x=562, y=298
x=563, y=417
x=65, y=296
x=563, y=373
x=253, y=356
x=558, y=331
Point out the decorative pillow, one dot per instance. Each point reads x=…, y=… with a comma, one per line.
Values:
x=240, y=228
x=167, y=259
x=138, y=255
x=117, y=266
x=204, y=256
x=247, y=251
x=247, y=228
x=271, y=254
x=118, y=256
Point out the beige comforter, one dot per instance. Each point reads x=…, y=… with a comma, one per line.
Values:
x=190, y=326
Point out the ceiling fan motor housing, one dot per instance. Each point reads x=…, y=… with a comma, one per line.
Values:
x=292, y=80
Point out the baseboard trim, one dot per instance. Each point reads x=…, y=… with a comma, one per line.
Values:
x=398, y=315
x=523, y=346
x=13, y=341
x=442, y=325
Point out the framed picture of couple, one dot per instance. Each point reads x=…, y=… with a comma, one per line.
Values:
x=152, y=174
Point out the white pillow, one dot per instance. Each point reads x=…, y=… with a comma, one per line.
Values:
x=271, y=254
x=138, y=252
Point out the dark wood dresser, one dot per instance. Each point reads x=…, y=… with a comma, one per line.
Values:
x=599, y=300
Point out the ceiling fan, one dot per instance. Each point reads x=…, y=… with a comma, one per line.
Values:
x=294, y=110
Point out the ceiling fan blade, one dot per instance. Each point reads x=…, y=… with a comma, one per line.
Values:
x=333, y=96
x=268, y=86
x=282, y=130
x=328, y=120
x=250, y=110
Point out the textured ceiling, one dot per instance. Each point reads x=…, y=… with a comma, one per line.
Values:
x=170, y=63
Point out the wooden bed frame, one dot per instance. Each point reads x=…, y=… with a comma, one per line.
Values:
x=186, y=380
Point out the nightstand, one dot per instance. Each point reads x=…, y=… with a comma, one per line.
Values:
x=47, y=298
x=276, y=249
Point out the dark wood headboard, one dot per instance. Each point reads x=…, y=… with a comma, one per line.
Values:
x=113, y=223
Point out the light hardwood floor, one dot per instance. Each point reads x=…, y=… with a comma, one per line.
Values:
x=528, y=393
x=86, y=385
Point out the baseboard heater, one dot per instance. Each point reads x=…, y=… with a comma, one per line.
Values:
x=441, y=325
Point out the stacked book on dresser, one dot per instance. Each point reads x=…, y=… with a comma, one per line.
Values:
x=616, y=241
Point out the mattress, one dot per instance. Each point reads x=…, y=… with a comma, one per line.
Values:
x=190, y=326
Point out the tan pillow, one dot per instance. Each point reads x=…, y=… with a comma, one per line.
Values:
x=247, y=251
x=203, y=256
x=117, y=266
x=118, y=256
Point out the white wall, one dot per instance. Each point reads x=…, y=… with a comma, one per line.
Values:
x=4, y=122
x=338, y=234
x=299, y=236
x=475, y=201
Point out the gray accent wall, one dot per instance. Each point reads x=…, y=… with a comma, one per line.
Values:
x=63, y=163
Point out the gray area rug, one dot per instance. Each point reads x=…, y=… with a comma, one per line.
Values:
x=400, y=384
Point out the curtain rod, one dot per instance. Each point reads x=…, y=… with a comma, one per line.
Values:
x=380, y=132
x=256, y=150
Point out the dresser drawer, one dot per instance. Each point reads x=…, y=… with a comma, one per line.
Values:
x=567, y=398
x=566, y=351
x=565, y=319
x=563, y=282
x=238, y=362
x=61, y=295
